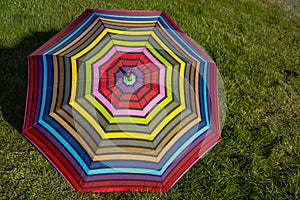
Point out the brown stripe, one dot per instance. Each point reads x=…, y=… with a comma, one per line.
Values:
x=60, y=87
x=55, y=84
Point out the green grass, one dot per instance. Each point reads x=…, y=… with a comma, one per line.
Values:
x=256, y=46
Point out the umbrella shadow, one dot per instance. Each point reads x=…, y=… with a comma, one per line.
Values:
x=13, y=77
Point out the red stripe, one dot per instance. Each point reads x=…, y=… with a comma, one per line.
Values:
x=32, y=92
x=36, y=81
x=128, y=55
x=122, y=189
x=29, y=97
x=124, y=183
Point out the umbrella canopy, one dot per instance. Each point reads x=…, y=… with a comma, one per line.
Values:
x=122, y=101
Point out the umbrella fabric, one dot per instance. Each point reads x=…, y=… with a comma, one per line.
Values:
x=122, y=101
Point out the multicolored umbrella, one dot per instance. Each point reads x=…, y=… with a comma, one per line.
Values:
x=122, y=101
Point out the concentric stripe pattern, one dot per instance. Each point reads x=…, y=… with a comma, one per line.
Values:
x=122, y=101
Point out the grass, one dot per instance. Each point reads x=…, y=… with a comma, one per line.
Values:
x=256, y=46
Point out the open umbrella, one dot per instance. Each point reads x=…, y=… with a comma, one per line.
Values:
x=122, y=101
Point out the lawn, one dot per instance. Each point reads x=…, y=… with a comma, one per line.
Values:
x=256, y=47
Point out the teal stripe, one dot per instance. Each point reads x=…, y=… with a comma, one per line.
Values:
x=205, y=93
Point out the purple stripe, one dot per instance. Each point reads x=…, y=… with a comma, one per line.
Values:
x=40, y=90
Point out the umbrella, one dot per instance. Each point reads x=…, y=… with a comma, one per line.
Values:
x=122, y=101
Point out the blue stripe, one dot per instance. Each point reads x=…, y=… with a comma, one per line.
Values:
x=44, y=87
x=50, y=83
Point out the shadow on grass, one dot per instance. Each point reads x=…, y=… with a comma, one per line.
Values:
x=13, y=77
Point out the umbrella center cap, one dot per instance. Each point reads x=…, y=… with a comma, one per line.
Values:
x=129, y=78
